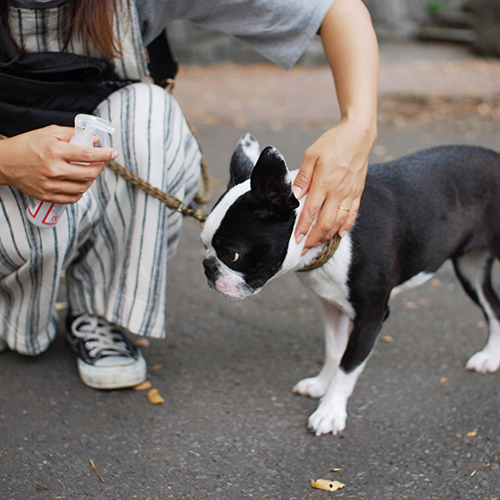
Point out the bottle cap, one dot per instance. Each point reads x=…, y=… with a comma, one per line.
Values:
x=87, y=126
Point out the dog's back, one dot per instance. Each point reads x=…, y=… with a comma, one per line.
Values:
x=430, y=206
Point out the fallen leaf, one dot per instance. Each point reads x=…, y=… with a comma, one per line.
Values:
x=336, y=469
x=386, y=338
x=142, y=342
x=471, y=434
x=157, y=367
x=60, y=306
x=142, y=387
x=154, y=397
x=326, y=484
x=436, y=283
x=443, y=380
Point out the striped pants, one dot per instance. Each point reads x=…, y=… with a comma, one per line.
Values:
x=114, y=243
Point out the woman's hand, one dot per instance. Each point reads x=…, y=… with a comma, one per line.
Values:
x=333, y=172
x=333, y=169
x=38, y=163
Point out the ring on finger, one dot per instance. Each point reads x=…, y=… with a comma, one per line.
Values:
x=344, y=208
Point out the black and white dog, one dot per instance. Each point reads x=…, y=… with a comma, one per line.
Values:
x=415, y=213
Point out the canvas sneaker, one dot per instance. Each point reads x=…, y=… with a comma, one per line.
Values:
x=107, y=359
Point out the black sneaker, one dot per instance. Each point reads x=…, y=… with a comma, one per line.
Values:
x=107, y=359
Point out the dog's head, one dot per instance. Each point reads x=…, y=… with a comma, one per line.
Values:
x=249, y=233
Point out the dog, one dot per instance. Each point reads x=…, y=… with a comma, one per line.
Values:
x=416, y=212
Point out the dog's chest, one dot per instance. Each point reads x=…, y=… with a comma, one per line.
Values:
x=330, y=281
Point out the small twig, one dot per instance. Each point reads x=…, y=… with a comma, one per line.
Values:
x=97, y=472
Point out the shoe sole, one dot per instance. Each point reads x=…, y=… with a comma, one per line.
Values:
x=113, y=377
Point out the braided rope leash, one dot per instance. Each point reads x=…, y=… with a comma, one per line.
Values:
x=324, y=256
x=172, y=202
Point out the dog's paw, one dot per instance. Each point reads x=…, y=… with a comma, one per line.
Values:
x=484, y=362
x=313, y=387
x=326, y=419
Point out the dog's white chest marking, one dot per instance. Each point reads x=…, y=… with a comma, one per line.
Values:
x=330, y=280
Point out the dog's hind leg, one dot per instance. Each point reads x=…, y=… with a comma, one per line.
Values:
x=336, y=324
x=474, y=271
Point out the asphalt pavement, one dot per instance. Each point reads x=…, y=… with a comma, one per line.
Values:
x=419, y=427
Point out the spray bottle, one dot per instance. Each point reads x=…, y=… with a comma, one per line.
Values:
x=47, y=214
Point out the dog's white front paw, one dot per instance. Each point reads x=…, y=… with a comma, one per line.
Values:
x=484, y=362
x=328, y=418
x=315, y=387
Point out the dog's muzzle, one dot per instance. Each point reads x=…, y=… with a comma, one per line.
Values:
x=211, y=270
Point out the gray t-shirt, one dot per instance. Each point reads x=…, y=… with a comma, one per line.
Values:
x=280, y=30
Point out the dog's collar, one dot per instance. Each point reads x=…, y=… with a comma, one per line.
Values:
x=324, y=256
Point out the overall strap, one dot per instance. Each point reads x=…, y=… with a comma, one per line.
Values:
x=37, y=30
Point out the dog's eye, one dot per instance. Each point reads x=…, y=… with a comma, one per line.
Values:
x=231, y=256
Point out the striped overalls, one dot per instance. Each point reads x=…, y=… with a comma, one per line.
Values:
x=115, y=242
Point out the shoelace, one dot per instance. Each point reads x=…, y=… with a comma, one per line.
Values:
x=99, y=336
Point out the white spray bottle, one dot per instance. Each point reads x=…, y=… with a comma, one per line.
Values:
x=47, y=214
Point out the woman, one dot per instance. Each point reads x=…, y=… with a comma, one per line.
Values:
x=115, y=241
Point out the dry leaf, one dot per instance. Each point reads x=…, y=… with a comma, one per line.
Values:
x=142, y=342
x=386, y=338
x=155, y=397
x=443, y=380
x=471, y=434
x=142, y=387
x=60, y=306
x=326, y=484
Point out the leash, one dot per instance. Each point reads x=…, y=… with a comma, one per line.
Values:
x=172, y=202
x=324, y=256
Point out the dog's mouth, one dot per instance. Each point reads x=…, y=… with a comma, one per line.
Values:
x=232, y=287
x=226, y=286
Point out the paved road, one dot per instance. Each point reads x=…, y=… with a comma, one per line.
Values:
x=419, y=427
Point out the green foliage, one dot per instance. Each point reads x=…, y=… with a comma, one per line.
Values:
x=435, y=6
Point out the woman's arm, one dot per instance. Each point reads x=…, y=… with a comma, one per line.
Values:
x=38, y=163
x=333, y=169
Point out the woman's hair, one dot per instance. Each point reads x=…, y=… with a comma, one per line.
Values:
x=91, y=19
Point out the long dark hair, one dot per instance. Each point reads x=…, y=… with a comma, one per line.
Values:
x=91, y=19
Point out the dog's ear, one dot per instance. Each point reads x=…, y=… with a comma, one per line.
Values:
x=243, y=160
x=270, y=182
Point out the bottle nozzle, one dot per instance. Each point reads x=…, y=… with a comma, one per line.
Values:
x=89, y=125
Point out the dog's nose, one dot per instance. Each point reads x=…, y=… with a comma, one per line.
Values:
x=210, y=267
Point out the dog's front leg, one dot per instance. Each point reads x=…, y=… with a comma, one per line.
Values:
x=331, y=413
x=336, y=324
